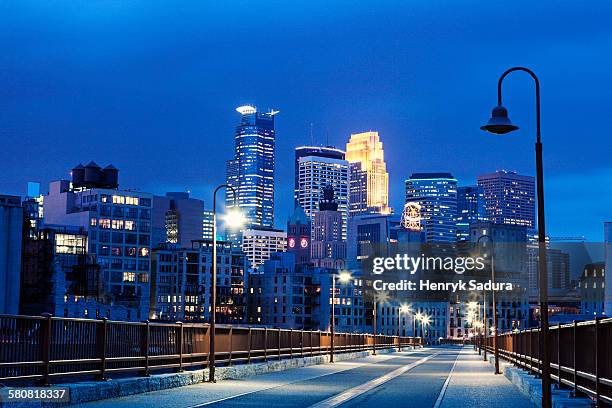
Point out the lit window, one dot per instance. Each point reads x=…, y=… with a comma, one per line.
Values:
x=104, y=223
x=117, y=224
x=118, y=199
x=129, y=277
x=130, y=226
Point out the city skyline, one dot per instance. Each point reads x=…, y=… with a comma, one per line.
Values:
x=87, y=86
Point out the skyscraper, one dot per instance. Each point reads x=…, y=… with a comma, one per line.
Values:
x=328, y=247
x=470, y=210
x=315, y=168
x=368, y=178
x=436, y=193
x=251, y=172
x=509, y=198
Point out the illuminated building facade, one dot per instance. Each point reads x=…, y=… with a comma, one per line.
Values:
x=470, y=210
x=509, y=198
x=207, y=224
x=316, y=168
x=436, y=193
x=182, y=282
x=251, y=172
x=118, y=226
x=259, y=243
x=368, y=177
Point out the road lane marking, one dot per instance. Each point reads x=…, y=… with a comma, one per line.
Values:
x=354, y=365
x=368, y=386
x=445, y=386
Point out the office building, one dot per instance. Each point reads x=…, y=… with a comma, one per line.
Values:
x=251, y=171
x=470, y=210
x=118, y=226
x=177, y=219
x=509, y=198
x=60, y=277
x=11, y=224
x=316, y=168
x=259, y=243
x=182, y=282
x=436, y=194
x=207, y=225
x=368, y=177
x=592, y=289
x=370, y=235
x=328, y=245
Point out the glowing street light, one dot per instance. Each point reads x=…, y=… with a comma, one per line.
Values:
x=343, y=277
x=404, y=309
x=233, y=219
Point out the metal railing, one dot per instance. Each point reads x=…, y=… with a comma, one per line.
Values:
x=580, y=355
x=46, y=348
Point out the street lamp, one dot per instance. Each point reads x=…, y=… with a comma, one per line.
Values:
x=425, y=320
x=343, y=277
x=500, y=124
x=405, y=309
x=493, y=301
x=417, y=317
x=233, y=219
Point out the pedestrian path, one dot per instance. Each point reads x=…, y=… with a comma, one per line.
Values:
x=473, y=384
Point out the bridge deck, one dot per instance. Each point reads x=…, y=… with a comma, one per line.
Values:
x=440, y=377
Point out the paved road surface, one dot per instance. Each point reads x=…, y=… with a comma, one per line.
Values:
x=440, y=377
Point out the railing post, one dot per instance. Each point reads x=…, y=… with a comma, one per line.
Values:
x=101, y=335
x=559, y=372
x=290, y=344
x=144, y=346
x=250, y=343
x=575, y=361
x=302, y=343
x=598, y=363
x=179, y=345
x=279, y=343
x=231, y=344
x=45, y=344
x=265, y=344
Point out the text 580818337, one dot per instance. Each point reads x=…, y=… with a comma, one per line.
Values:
x=31, y=394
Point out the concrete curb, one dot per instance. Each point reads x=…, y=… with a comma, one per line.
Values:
x=531, y=387
x=88, y=391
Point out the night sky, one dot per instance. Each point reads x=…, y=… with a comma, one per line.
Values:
x=152, y=86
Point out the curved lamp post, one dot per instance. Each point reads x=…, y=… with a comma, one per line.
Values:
x=233, y=219
x=493, y=302
x=343, y=277
x=500, y=124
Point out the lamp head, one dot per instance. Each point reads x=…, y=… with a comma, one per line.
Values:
x=404, y=308
x=234, y=218
x=500, y=122
x=344, y=277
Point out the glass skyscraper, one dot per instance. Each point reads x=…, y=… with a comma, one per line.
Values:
x=368, y=177
x=437, y=195
x=317, y=168
x=509, y=198
x=251, y=172
x=470, y=210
